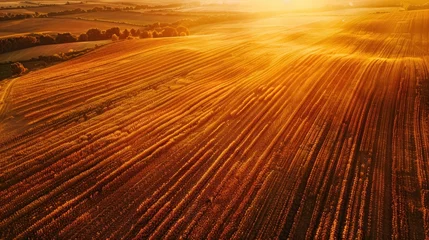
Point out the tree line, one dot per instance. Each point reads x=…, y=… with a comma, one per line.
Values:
x=20, y=68
x=94, y=34
x=18, y=16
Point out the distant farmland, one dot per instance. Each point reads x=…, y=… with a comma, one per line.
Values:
x=35, y=52
x=45, y=25
x=246, y=130
x=132, y=17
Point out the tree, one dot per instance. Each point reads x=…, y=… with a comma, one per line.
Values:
x=133, y=32
x=115, y=37
x=109, y=32
x=156, y=25
x=156, y=34
x=46, y=39
x=170, y=32
x=183, y=29
x=83, y=37
x=94, y=34
x=26, y=42
x=146, y=34
x=125, y=34
x=18, y=69
x=65, y=38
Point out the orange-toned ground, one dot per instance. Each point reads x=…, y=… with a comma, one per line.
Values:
x=49, y=50
x=244, y=130
x=53, y=25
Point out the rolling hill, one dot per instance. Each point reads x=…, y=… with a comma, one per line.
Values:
x=245, y=130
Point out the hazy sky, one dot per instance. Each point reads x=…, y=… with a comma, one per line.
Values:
x=299, y=3
x=279, y=3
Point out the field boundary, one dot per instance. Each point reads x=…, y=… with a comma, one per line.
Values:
x=3, y=98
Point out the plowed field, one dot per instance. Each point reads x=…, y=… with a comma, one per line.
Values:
x=242, y=131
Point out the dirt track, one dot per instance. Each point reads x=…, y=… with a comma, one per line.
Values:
x=318, y=131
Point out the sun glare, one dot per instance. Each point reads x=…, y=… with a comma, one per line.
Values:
x=259, y=5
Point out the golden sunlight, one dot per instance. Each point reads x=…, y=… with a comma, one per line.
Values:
x=219, y=119
x=284, y=3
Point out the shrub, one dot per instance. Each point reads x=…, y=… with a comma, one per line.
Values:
x=51, y=59
x=17, y=68
x=169, y=32
x=183, y=34
x=146, y=34
x=83, y=37
x=130, y=38
x=57, y=57
x=115, y=37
